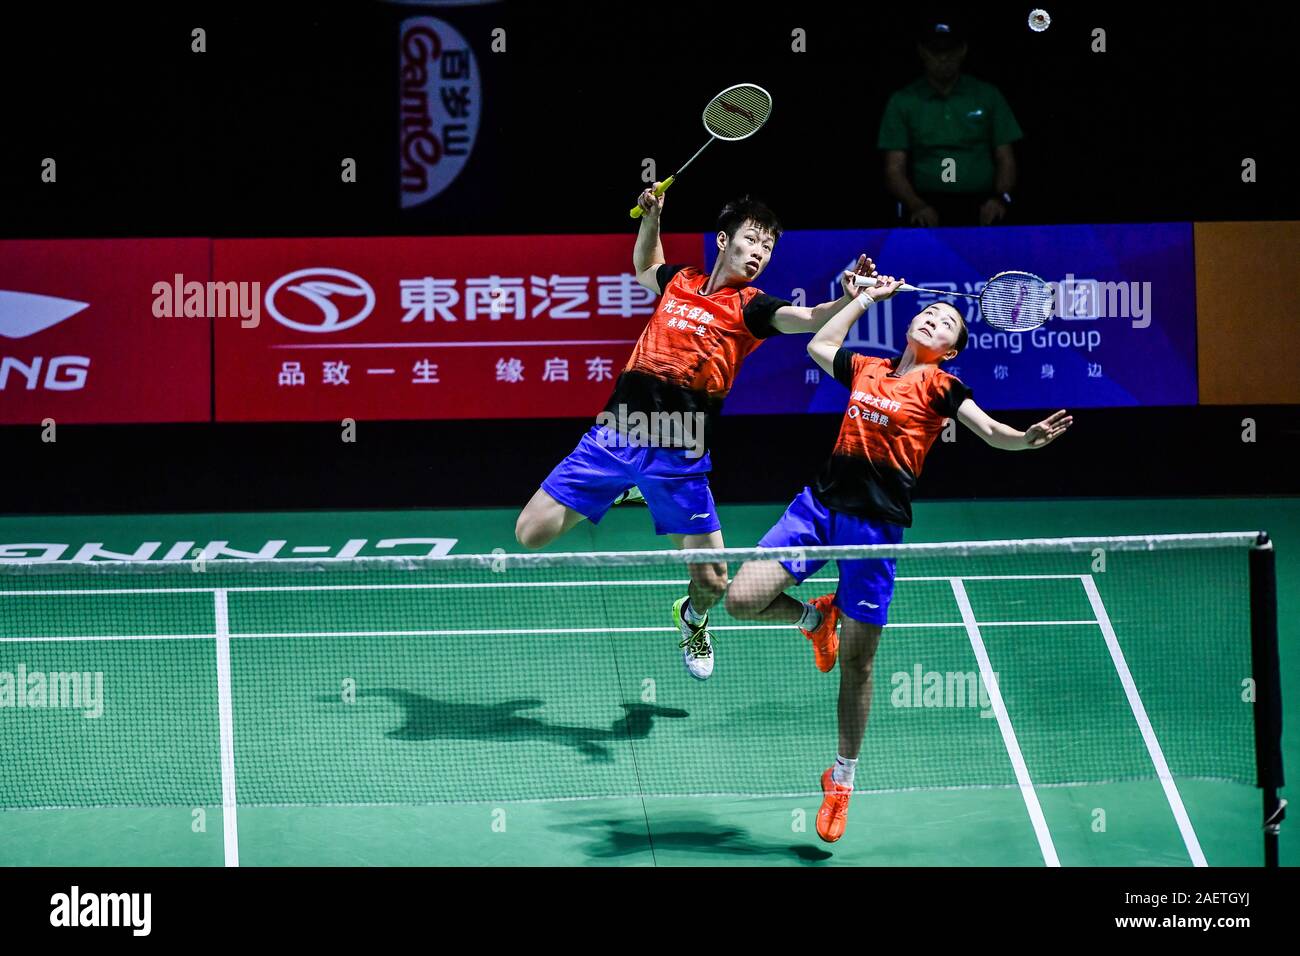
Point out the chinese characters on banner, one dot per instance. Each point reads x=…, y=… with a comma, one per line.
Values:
x=1123, y=331
x=540, y=326
x=446, y=327
x=440, y=107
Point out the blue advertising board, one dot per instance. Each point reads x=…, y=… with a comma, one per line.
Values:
x=1123, y=332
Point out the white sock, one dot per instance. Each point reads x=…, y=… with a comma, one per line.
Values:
x=844, y=770
x=689, y=615
x=811, y=618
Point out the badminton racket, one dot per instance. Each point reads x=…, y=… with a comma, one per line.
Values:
x=736, y=113
x=1011, y=301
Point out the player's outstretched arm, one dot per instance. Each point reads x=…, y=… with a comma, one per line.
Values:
x=793, y=319
x=1007, y=438
x=648, y=253
x=830, y=337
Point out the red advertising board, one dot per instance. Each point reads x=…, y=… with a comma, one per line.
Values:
x=430, y=327
x=79, y=338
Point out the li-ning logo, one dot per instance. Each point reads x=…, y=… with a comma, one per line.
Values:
x=731, y=108
x=103, y=909
x=92, y=552
x=309, y=295
x=25, y=313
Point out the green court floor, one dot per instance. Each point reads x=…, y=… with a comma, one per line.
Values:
x=500, y=743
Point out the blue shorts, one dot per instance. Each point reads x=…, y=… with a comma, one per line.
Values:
x=867, y=586
x=676, y=488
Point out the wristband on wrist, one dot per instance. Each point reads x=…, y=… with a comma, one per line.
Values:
x=864, y=300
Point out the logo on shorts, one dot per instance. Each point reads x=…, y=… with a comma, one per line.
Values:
x=705, y=515
x=868, y=604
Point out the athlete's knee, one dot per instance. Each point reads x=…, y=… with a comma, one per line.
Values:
x=858, y=651
x=712, y=578
x=856, y=662
x=531, y=533
x=857, y=665
x=744, y=602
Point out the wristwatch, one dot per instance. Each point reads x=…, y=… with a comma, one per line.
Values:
x=1005, y=198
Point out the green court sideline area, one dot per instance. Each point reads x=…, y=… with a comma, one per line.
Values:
x=537, y=716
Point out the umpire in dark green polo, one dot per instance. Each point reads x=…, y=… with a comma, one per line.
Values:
x=947, y=140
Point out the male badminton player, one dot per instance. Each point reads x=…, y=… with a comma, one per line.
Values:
x=863, y=495
x=683, y=366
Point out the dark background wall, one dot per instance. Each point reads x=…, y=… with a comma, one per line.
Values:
x=246, y=140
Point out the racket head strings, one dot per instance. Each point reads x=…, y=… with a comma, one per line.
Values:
x=738, y=112
x=1017, y=301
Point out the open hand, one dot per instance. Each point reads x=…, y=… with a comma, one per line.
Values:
x=1048, y=430
x=925, y=216
x=992, y=211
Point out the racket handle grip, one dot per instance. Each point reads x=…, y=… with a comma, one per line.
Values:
x=659, y=191
x=868, y=281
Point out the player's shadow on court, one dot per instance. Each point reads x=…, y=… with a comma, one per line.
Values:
x=696, y=836
x=425, y=718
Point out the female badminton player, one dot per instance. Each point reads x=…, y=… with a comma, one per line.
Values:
x=681, y=369
x=863, y=496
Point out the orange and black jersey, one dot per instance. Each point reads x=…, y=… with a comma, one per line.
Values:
x=688, y=355
x=889, y=425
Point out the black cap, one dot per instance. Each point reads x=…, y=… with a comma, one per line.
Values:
x=938, y=34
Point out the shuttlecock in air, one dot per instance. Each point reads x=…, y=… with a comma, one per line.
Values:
x=1039, y=20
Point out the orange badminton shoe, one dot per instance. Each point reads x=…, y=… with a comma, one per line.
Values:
x=833, y=816
x=825, y=639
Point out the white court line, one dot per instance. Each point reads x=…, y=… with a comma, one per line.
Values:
x=519, y=631
x=675, y=795
x=656, y=582
x=487, y=632
x=1144, y=724
x=226, y=715
x=107, y=637
x=1017, y=624
x=1004, y=724
x=676, y=582
x=996, y=577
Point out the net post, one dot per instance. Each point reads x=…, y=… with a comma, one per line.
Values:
x=1268, y=690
